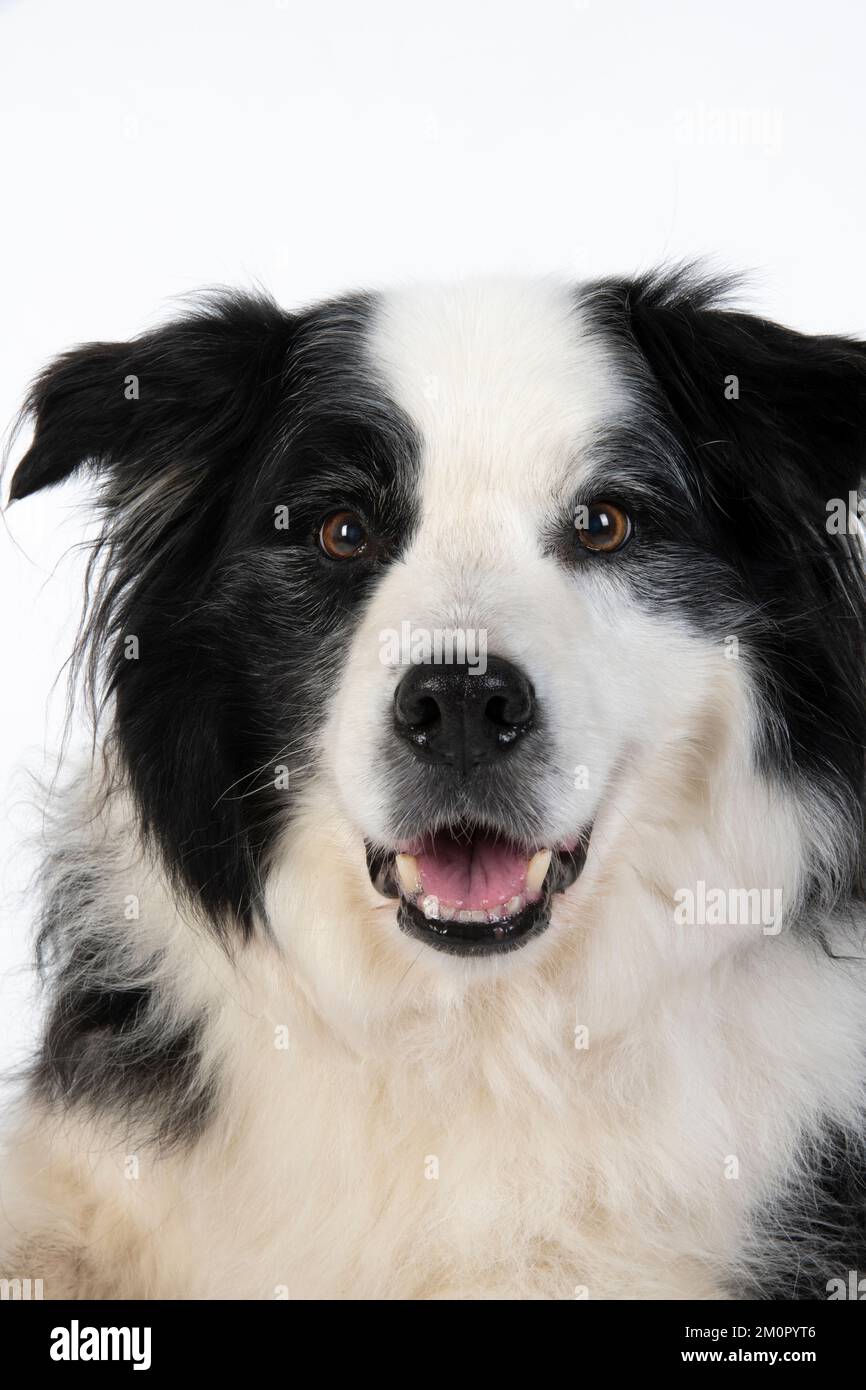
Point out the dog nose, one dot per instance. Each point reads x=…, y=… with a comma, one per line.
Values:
x=461, y=717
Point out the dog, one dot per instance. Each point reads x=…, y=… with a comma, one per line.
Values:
x=465, y=898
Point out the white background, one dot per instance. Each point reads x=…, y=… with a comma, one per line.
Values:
x=316, y=146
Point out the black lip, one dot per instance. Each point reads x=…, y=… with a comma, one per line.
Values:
x=475, y=938
x=478, y=938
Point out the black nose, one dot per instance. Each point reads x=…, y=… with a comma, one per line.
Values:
x=457, y=716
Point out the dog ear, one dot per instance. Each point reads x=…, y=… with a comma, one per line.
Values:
x=176, y=397
x=166, y=422
x=753, y=391
x=767, y=429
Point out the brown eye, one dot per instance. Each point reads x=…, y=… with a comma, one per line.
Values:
x=601, y=526
x=343, y=536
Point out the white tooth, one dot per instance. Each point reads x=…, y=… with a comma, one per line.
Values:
x=407, y=872
x=514, y=905
x=536, y=871
x=464, y=916
x=430, y=908
x=447, y=913
x=477, y=916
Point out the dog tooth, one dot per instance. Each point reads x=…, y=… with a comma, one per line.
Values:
x=407, y=872
x=515, y=905
x=430, y=908
x=464, y=915
x=536, y=871
x=446, y=913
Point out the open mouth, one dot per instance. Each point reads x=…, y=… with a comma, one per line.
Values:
x=474, y=892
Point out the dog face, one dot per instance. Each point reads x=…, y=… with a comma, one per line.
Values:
x=474, y=566
x=487, y=700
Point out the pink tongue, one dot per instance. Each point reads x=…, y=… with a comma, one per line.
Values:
x=480, y=874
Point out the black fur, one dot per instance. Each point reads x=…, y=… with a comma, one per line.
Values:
x=814, y=1232
x=242, y=409
x=730, y=498
x=107, y=1044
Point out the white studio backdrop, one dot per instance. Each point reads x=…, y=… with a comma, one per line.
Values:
x=313, y=147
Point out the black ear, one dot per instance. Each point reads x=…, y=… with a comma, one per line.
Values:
x=764, y=430
x=168, y=422
x=781, y=403
x=190, y=391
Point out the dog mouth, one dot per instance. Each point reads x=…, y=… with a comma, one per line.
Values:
x=474, y=892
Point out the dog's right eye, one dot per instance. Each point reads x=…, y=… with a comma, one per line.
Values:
x=343, y=536
x=602, y=528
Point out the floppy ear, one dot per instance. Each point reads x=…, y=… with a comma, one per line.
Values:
x=189, y=392
x=167, y=421
x=768, y=429
x=786, y=404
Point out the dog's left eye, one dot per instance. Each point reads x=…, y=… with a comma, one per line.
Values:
x=343, y=536
x=601, y=526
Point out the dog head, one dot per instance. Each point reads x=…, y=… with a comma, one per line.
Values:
x=450, y=601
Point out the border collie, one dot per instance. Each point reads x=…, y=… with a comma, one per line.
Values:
x=466, y=897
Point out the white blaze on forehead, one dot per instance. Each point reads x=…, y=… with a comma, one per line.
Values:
x=505, y=384
x=509, y=387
